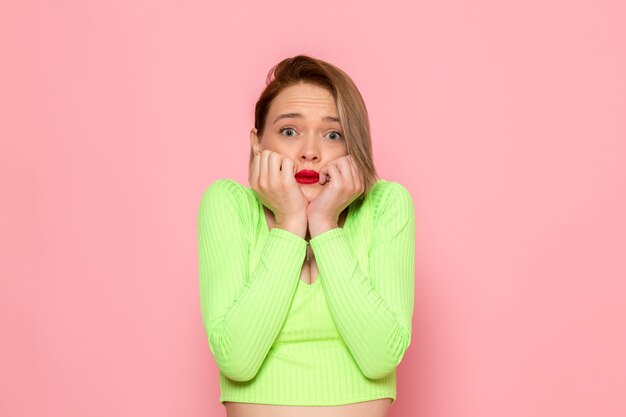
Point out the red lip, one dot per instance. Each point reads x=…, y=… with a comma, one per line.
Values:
x=307, y=176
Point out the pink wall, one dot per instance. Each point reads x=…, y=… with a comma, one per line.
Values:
x=505, y=121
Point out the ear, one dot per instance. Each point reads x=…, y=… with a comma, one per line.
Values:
x=255, y=142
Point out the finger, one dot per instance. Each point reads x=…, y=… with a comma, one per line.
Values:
x=288, y=169
x=322, y=173
x=274, y=162
x=264, y=170
x=352, y=172
x=254, y=171
x=358, y=180
x=324, y=178
x=346, y=172
x=335, y=175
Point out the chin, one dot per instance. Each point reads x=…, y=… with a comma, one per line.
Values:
x=308, y=193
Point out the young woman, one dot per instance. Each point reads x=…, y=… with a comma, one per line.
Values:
x=306, y=277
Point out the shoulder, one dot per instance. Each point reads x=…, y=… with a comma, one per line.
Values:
x=224, y=192
x=389, y=196
x=224, y=187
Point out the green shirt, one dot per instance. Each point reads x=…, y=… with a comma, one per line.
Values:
x=277, y=339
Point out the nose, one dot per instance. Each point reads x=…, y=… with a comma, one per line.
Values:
x=309, y=150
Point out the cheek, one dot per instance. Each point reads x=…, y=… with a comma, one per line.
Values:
x=269, y=142
x=338, y=153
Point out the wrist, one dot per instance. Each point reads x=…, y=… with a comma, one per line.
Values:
x=297, y=226
x=319, y=226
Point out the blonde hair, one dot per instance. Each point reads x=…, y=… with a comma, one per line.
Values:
x=350, y=105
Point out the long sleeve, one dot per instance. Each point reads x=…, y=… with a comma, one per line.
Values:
x=373, y=309
x=242, y=310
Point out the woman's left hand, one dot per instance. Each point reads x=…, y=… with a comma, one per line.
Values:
x=343, y=183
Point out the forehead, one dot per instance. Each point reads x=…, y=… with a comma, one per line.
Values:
x=304, y=98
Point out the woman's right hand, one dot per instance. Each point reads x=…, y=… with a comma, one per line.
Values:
x=272, y=177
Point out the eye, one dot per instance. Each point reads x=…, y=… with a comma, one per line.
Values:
x=336, y=135
x=287, y=129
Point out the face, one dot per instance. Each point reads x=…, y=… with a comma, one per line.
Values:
x=303, y=124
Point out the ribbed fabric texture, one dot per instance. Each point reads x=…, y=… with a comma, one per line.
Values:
x=279, y=340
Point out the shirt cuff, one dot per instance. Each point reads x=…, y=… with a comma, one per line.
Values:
x=287, y=235
x=326, y=236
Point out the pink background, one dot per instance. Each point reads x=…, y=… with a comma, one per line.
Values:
x=505, y=120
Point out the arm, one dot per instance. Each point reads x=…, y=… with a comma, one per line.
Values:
x=243, y=310
x=373, y=309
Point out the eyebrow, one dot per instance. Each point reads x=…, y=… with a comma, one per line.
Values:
x=300, y=116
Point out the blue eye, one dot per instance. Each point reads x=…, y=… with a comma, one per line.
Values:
x=337, y=135
x=284, y=129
